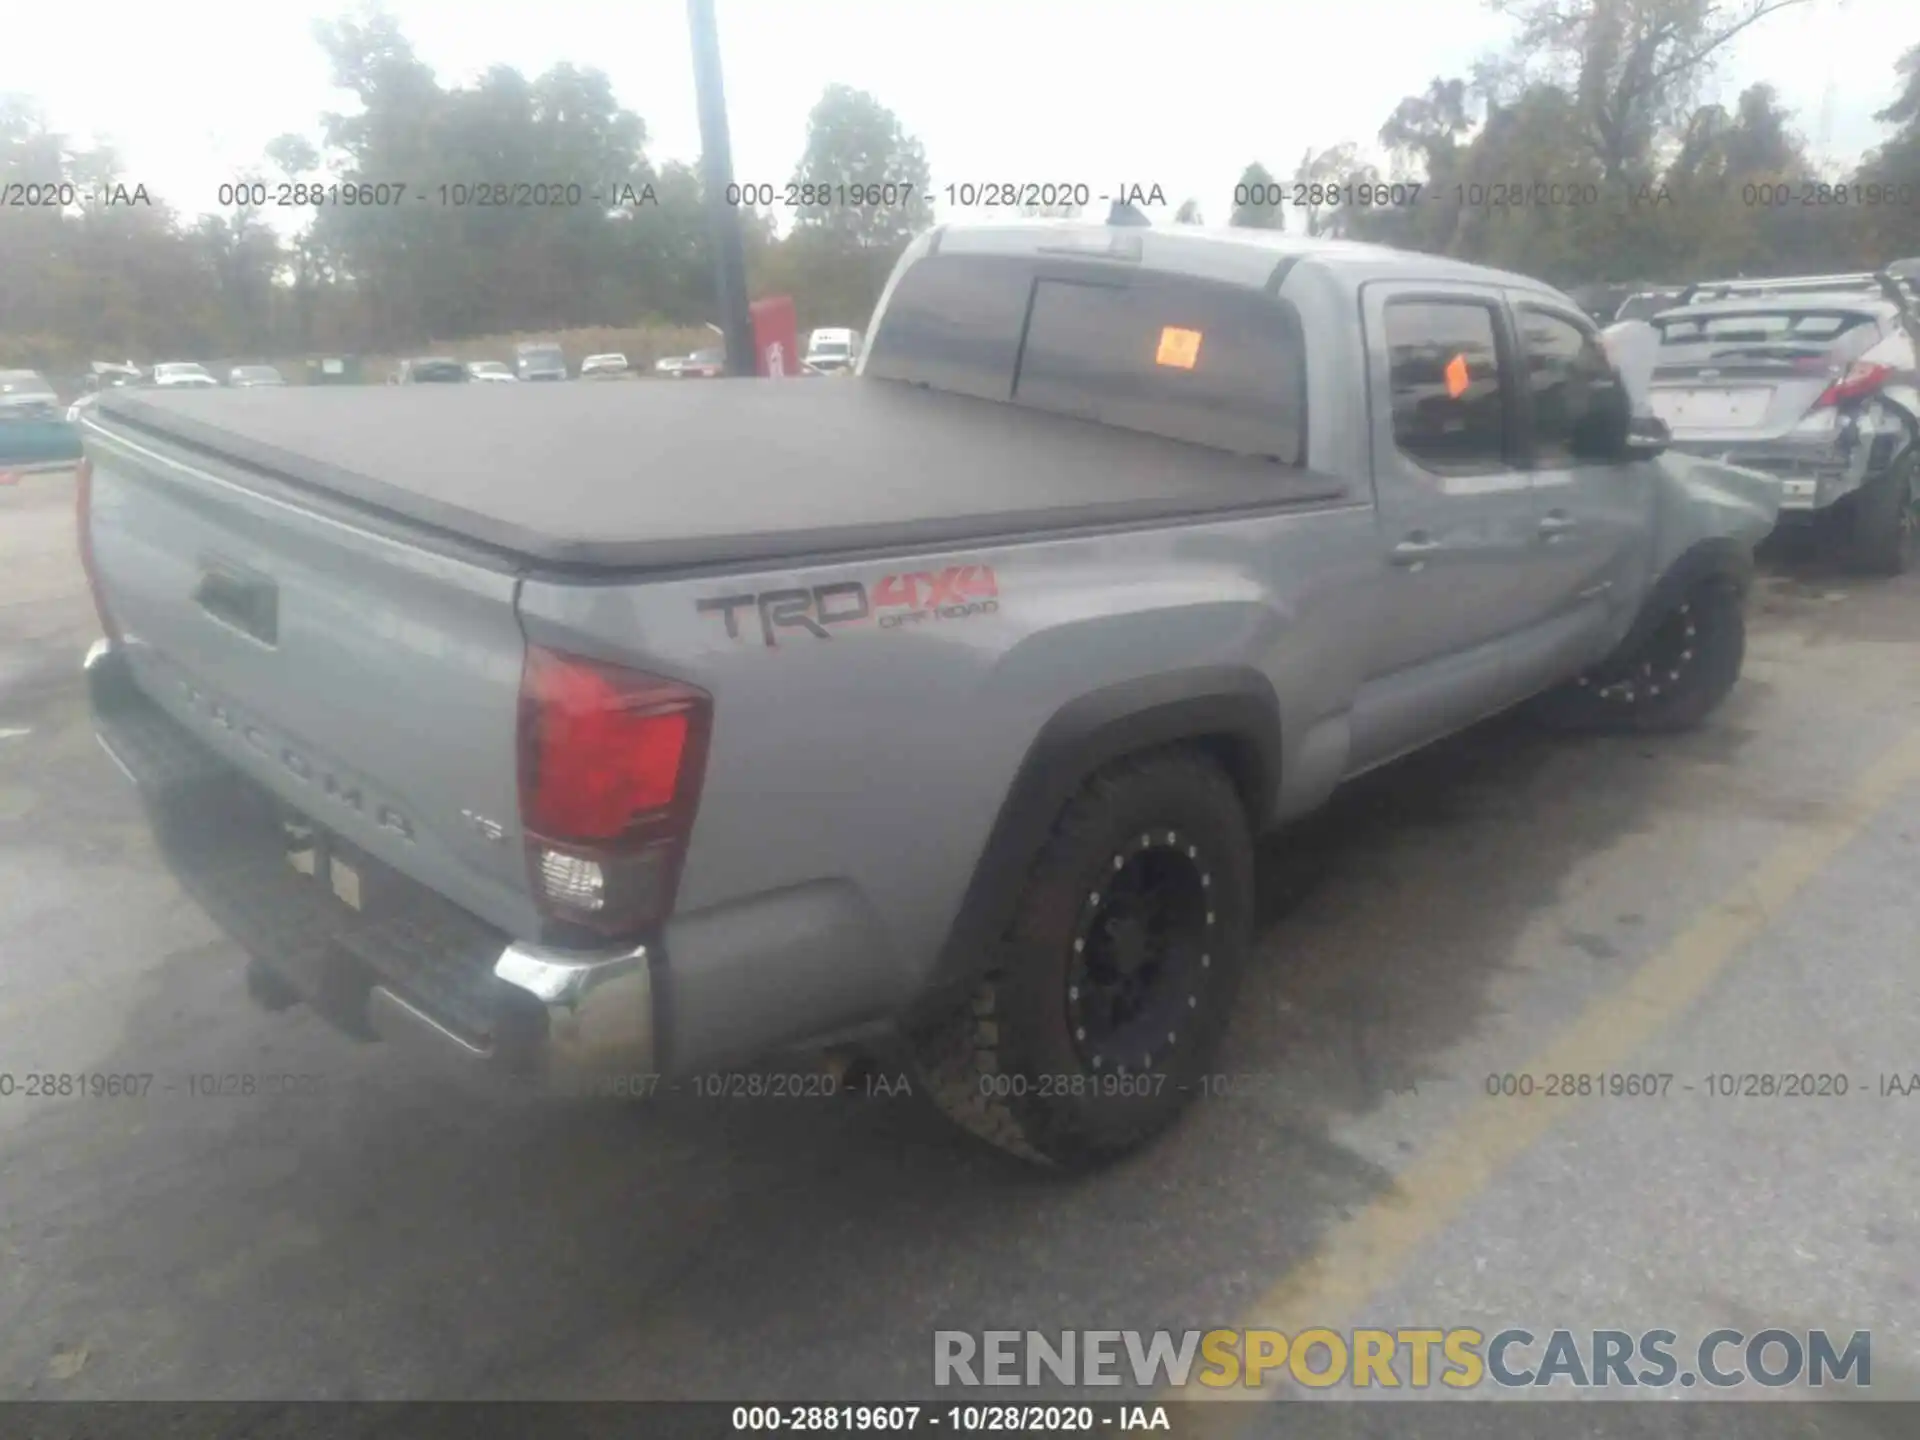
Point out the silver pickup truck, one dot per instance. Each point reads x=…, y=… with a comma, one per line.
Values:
x=600, y=732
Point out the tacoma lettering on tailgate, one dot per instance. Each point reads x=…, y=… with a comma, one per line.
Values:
x=956, y=592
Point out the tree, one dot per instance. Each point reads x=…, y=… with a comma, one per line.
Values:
x=1429, y=129
x=1892, y=231
x=863, y=178
x=1632, y=67
x=1257, y=200
x=540, y=206
x=1325, y=174
x=1188, y=213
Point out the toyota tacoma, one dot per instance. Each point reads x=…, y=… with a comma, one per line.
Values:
x=939, y=717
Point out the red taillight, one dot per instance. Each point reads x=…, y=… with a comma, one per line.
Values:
x=83, y=519
x=610, y=767
x=1862, y=378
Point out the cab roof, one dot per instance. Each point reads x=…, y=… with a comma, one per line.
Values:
x=1234, y=255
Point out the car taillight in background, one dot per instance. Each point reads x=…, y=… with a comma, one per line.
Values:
x=83, y=518
x=611, y=762
x=1861, y=379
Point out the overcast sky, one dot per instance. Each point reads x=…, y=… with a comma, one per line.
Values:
x=1179, y=93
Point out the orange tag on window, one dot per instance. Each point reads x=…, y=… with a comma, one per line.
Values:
x=1178, y=348
x=1457, y=376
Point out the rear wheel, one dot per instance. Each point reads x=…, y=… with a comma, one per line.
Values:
x=1115, y=984
x=1884, y=536
x=1674, y=676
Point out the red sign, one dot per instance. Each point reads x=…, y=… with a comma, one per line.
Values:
x=776, y=338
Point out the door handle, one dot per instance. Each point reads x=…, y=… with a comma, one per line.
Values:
x=248, y=602
x=1415, y=549
x=1556, y=522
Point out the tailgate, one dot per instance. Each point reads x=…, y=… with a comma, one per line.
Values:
x=370, y=684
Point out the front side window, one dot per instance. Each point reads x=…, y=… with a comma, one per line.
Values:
x=1571, y=381
x=1449, y=391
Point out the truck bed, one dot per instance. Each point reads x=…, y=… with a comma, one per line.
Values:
x=732, y=472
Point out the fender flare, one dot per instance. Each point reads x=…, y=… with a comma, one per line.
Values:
x=1230, y=710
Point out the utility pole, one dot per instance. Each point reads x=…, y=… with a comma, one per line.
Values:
x=716, y=169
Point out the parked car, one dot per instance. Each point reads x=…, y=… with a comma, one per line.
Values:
x=1813, y=379
x=539, y=360
x=430, y=370
x=27, y=392
x=830, y=350
x=1645, y=304
x=605, y=367
x=1127, y=545
x=490, y=371
x=107, y=374
x=33, y=431
x=334, y=370
x=244, y=377
x=103, y=375
x=701, y=365
x=183, y=375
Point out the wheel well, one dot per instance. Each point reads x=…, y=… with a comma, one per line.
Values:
x=1716, y=561
x=1240, y=758
x=1228, y=714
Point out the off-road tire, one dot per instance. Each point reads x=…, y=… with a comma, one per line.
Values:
x=1883, y=533
x=1673, y=679
x=1008, y=1066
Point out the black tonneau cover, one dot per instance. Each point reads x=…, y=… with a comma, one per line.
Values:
x=660, y=473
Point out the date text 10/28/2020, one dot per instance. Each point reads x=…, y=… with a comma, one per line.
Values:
x=1717, y=1085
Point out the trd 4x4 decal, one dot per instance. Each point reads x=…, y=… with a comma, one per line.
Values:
x=956, y=592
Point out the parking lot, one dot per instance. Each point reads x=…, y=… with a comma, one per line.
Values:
x=1739, y=900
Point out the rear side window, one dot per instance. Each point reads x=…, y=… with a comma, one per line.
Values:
x=1208, y=364
x=1449, y=391
x=953, y=323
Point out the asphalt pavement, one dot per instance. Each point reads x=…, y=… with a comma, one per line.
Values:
x=1736, y=901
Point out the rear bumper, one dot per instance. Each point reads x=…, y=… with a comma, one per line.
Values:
x=1812, y=479
x=410, y=967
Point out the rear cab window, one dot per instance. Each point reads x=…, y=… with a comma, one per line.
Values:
x=953, y=323
x=1192, y=360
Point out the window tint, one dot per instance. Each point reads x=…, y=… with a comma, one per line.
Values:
x=953, y=323
x=1572, y=383
x=1211, y=364
x=1449, y=408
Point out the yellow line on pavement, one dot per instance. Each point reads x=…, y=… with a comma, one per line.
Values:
x=1366, y=1252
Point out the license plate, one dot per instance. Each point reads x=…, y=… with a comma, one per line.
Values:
x=1711, y=409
